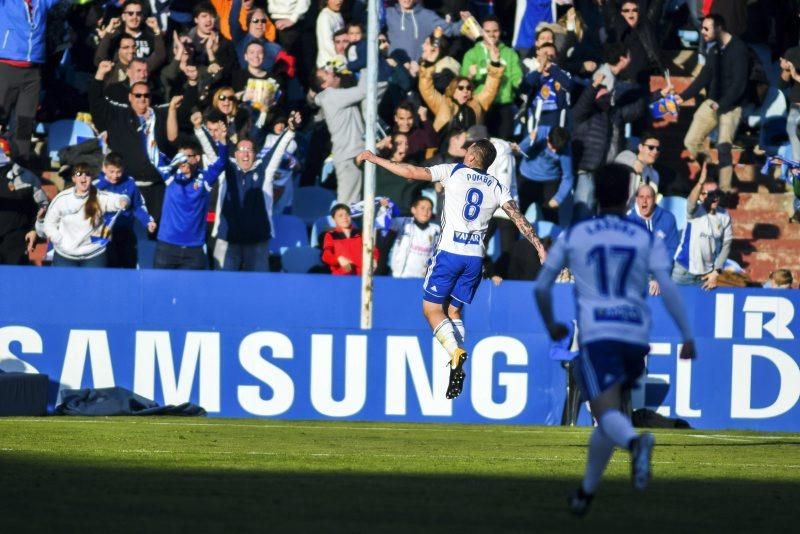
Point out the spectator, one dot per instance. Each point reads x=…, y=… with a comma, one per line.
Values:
x=642, y=163
x=458, y=107
x=790, y=79
x=657, y=220
x=599, y=116
x=500, y=117
x=629, y=24
x=236, y=19
x=578, y=49
x=23, y=26
x=126, y=53
x=416, y=126
x=724, y=77
x=341, y=40
x=210, y=51
x=415, y=241
x=245, y=204
x=549, y=88
x=148, y=41
x=343, y=117
x=288, y=168
x=547, y=171
x=135, y=73
x=254, y=69
x=409, y=24
x=22, y=201
x=74, y=222
x=136, y=131
x=706, y=241
x=122, y=250
x=401, y=192
x=329, y=21
x=780, y=279
x=285, y=14
x=341, y=247
x=455, y=142
x=182, y=231
x=237, y=117
x=259, y=29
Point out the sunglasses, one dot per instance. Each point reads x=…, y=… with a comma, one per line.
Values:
x=464, y=87
x=653, y=148
x=225, y=98
x=132, y=13
x=141, y=95
x=631, y=10
x=259, y=21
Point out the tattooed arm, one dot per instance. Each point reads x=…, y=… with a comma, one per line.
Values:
x=525, y=228
x=404, y=170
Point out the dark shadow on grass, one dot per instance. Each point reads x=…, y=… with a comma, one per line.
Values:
x=67, y=496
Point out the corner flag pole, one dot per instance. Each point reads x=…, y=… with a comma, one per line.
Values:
x=370, y=120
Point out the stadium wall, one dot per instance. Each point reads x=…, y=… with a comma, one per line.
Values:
x=288, y=346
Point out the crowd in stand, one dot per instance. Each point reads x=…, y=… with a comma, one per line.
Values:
x=213, y=118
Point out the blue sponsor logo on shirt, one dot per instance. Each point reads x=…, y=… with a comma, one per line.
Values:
x=620, y=314
x=467, y=238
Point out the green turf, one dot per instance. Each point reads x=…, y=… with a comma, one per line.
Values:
x=182, y=475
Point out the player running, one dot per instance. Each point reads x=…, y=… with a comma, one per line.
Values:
x=454, y=273
x=611, y=259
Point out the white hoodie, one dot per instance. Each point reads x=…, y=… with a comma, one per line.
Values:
x=68, y=229
x=287, y=9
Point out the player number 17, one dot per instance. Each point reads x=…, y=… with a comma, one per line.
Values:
x=599, y=256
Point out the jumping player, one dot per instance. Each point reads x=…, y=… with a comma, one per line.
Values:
x=454, y=273
x=611, y=259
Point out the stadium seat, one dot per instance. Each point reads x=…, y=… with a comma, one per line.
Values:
x=547, y=229
x=64, y=133
x=677, y=207
x=290, y=231
x=320, y=226
x=300, y=259
x=532, y=213
x=311, y=203
x=493, y=247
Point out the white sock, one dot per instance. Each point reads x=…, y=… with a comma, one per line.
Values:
x=460, y=332
x=445, y=334
x=600, y=451
x=617, y=428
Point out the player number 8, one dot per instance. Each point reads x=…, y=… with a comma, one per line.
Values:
x=473, y=207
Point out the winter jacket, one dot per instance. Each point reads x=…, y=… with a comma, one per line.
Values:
x=597, y=135
x=136, y=207
x=661, y=224
x=642, y=40
x=512, y=76
x=287, y=9
x=245, y=201
x=541, y=164
x=124, y=134
x=553, y=91
x=445, y=108
x=408, y=30
x=183, y=216
x=336, y=243
x=724, y=76
x=70, y=231
x=22, y=33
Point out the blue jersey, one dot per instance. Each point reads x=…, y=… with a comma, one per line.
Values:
x=611, y=259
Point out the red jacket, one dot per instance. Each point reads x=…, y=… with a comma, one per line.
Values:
x=336, y=243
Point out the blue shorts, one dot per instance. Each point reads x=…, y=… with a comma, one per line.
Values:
x=452, y=275
x=602, y=364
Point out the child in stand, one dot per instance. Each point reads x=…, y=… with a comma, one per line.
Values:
x=341, y=247
x=122, y=250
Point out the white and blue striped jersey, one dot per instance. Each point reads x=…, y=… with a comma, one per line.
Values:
x=611, y=259
x=470, y=199
x=703, y=239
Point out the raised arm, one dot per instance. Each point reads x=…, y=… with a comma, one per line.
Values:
x=524, y=228
x=404, y=170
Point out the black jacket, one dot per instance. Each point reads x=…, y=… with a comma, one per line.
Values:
x=122, y=125
x=724, y=75
x=596, y=128
x=642, y=41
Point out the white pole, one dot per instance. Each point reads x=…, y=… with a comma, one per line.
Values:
x=370, y=121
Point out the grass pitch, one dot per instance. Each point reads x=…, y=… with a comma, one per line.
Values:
x=223, y=475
